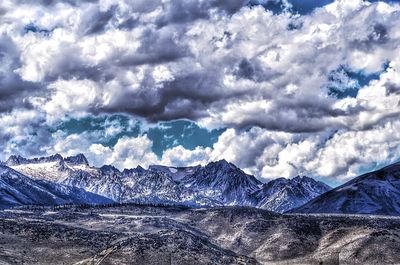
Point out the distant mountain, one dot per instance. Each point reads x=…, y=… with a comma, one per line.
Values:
x=216, y=184
x=17, y=189
x=377, y=192
x=281, y=195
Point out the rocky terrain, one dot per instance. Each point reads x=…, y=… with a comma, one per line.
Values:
x=133, y=234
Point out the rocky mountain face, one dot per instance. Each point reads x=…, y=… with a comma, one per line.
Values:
x=219, y=183
x=16, y=160
x=17, y=189
x=377, y=192
x=281, y=195
x=224, y=182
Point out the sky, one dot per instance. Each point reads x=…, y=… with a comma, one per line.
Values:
x=277, y=87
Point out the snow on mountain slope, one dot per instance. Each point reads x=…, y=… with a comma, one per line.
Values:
x=281, y=195
x=17, y=189
x=218, y=183
x=376, y=192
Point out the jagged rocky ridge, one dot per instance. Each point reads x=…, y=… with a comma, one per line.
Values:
x=217, y=184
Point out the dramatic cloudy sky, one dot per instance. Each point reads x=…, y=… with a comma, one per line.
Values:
x=277, y=87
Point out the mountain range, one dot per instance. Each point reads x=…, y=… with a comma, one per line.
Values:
x=218, y=183
x=57, y=180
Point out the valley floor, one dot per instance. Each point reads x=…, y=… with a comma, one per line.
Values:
x=173, y=235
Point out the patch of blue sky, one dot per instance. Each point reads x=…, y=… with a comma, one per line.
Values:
x=307, y=6
x=296, y=6
x=301, y=7
x=345, y=82
x=108, y=129
x=31, y=27
x=276, y=6
x=169, y=134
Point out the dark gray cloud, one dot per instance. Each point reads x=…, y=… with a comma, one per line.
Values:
x=53, y=2
x=185, y=97
x=253, y=70
x=13, y=90
x=67, y=65
x=190, y=10
x=392, y=89
x=97, y=21
x=378, y=35
x=156, y=47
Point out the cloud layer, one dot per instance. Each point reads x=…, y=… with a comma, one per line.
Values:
x=291, y=87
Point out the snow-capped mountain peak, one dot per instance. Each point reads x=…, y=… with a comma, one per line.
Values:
x=221, y=164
